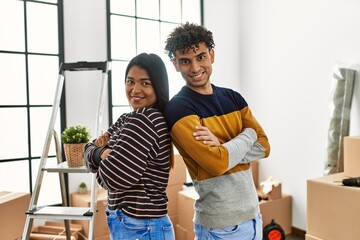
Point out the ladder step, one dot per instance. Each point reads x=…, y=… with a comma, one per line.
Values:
x=64, y=168
x=85, y=66
x=51, y=212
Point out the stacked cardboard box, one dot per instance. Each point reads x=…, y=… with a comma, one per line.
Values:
x=101, y=230
x=352, y=156
x=275, y=193
x=310, y=237
x=177, y=179
x=55, y=230
x=280, y=210
x=184, y=229
x=333, y=209
x=13, y=206
x=277, y=206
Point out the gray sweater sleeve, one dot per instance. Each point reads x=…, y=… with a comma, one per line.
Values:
x=240, y=146
x=256, y=152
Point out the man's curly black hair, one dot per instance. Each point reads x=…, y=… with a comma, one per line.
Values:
x=188, y=36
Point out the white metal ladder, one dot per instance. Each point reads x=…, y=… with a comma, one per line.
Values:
x=66, y=212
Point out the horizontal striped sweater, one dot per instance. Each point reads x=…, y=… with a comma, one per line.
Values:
x=136, y=171
x=221, y=175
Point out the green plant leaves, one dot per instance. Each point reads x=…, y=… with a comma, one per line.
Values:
x=75, y=134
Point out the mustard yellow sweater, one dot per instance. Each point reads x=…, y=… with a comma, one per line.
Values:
x=221, y=175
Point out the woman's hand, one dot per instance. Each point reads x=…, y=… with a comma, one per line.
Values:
x=105, y=153
x=102, y=140
x=203, y=134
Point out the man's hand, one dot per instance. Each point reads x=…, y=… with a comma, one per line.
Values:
x=102, y=140
x=203, y=134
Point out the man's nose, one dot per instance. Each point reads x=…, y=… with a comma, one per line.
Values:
x=195, y=66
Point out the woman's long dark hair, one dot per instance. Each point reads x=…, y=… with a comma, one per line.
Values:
x=156, y=69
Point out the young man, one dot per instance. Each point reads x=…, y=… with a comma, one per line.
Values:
x=217, y=136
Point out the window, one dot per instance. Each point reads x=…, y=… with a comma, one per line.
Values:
x=29, y=64
x=137, y=26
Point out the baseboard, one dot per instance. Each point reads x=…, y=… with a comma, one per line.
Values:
x=298, y=232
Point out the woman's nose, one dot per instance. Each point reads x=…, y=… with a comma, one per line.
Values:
x=136, y=88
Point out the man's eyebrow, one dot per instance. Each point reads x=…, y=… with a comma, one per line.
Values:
x=200, y=54
x=182, y=58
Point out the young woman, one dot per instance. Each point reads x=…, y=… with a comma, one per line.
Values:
x=132, y=159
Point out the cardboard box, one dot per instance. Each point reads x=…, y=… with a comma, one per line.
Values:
x=280, y=210
x=73, y=226
x=182, y=233
x=104, y=237
x=41, y=236
x=50, y=234
x=185, y=228
x=332, y=209
x=352, y=156
x=275, y=193
x=178, y=173
x=100, y=222
x=13, y=206
x=55, y=230
x=174, y=219
x=172, y=194
x=176, y=181
x=311, y=237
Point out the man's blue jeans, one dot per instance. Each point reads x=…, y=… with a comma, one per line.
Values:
x=122, y=226
x=250, y=230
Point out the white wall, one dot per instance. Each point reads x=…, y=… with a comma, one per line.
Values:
x=279, y=54
x=85, y=40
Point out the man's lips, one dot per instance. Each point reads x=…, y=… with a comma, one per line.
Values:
x=197, y=77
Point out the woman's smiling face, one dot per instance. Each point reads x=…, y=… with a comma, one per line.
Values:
x=139, y=90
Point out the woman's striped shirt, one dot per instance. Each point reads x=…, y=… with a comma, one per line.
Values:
x=136, y=171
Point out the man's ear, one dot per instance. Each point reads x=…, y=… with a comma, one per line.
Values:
x=212, y=55
x=174, y=62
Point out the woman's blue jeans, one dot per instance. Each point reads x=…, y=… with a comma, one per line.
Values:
x=122, y=226
x=250, y=230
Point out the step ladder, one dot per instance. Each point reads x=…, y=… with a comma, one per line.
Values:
x=66, y=212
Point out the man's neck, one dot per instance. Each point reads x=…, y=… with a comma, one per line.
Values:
x=205, y=90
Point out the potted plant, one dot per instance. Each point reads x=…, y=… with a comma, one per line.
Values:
x=74, y=139
x=82, y=188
